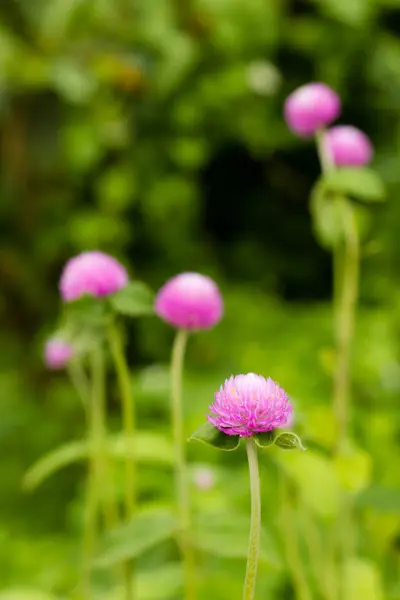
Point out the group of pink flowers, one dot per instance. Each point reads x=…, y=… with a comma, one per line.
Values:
x=246, y=404
x=314, y=106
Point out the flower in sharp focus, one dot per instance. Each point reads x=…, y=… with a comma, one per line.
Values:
x=57, y=353
x=190, y=301
x=249, y=404
x=93, y=273
x=348, y=146
x=311, y=107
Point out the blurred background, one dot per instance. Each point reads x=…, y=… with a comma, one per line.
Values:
x=153, y=130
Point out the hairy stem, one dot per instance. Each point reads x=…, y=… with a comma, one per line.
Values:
x=181, y=471
x=255, y=522
x=128, y=418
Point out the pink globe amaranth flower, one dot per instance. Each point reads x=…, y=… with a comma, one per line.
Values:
x=57, y=353
x=348, y=146
x=311, y=107
x=190, y=301
x=93, y=273
x=249, y=404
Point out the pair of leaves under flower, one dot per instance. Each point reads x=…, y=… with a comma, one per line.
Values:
x=330, y=203
x=208, y=434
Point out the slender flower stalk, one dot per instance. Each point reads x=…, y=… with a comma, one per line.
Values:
x=255, y=521
x=128, y=418
x=97, y=437
x=346, y=257
x=80, y=382
x=181, y=471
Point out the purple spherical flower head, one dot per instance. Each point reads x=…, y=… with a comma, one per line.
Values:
x=93, y=273
x=311, y=107
x=348, y=146
x=190, y=301
x=57, y=353
x=249, y=404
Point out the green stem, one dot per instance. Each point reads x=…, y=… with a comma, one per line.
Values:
x=346, y=261
x=255, y=522
x=290, y=540
x=346, y=312
x=128, y=418
x=79, y=381
x=181, y=477
x=346, y=257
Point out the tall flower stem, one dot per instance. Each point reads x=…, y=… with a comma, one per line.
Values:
x=128, y=418
x=97, y=478
x=181, y=475
x=80, y=382
x=346, y=257
x=255, y=522
x=346, y=260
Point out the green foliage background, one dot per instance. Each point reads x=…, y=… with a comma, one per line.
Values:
x=153, y=129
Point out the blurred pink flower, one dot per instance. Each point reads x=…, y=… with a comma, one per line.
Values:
x=204, y=478
x=348, y=146
x=93, y=273
x=57, y=353
x=311, y=107
x=249, y=404
x=190, y=301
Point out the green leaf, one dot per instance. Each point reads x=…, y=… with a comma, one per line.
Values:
x=84, y=318
x=227, y=536
x=289, y=441
x=354, y=469
x=265, y=439
x=22, y=593
x=315, y=479
x=147, y=447
x=53, y=461
x=134, y=300
x=362, y=183
x=362, y=580
x=159, y=583
x=327, y=217
x=208, y=434
x=381, y=499
x=147, y=529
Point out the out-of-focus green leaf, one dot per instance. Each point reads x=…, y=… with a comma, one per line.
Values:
x=327, y=217
x=134, y=300
x=147, y=529
x=73, y=82
x=362, y=580
x=24, y=594
x=227, y=536
x=354, y=469
x=156, y=583
x=115, y=189
x=381, y=499
x=316, y=480
x=352, y=12
x=145, y=447
x=208, y=434
x=362, y=183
